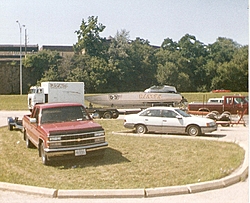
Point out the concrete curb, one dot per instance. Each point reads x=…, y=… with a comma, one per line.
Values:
x=29, y=189
x=240, y=174
x=105, y=193
x=166, y=191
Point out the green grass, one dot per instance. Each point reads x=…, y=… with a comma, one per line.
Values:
x=129, y=162
x=13, y=102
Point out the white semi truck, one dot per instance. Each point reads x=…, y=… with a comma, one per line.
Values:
x=51, y=92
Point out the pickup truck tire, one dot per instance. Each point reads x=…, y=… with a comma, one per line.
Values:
x=193, y=130
x=141, y=129
x=45, y=160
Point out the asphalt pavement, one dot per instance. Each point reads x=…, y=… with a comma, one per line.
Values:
x=236, y=193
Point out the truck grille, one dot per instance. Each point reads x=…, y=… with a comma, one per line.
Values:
x=75, y=140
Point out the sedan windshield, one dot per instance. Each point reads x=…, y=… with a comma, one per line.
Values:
x=183, y=113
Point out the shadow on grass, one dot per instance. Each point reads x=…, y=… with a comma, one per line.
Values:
x=111, y=156
x=150, y=134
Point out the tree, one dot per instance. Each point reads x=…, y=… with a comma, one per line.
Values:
x=119, y=60
x=191, y=48
x=142, y=70
x=41, y=62
x=89, y=40
x=169, y=74
x=222, y=50
x=169, y=44
x=233, y=75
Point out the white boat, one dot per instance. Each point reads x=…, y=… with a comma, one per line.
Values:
x=134, y=99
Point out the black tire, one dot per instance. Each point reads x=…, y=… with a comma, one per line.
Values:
x=115, y=114
x=193, y=130
x=10, y=127
x=141, y=129
x=227, y=113
x=44, y=157
x=216, y=113
x=107, y=115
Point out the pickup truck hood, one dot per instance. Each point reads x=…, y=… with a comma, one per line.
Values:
x=71, y=126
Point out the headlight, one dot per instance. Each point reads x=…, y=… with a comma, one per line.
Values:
x=211, y=124
x=97, y=134
x=55, y=138
x=97, y=140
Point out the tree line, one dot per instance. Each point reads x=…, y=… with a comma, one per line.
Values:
x=119, y=64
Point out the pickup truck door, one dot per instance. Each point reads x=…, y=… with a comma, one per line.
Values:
x=235, y=104
x=33, y=128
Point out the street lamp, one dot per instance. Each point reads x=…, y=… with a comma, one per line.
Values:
x=21, y=82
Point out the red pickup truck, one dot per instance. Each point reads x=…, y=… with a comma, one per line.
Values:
x=232, y=104
x=60, y=129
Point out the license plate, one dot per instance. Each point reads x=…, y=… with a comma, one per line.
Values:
x=80, y=152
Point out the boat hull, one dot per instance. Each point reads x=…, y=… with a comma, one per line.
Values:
x=134, y=99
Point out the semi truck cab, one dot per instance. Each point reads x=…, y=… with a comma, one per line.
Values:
x=36, y=96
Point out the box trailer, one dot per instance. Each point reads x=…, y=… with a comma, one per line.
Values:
x=53, y=92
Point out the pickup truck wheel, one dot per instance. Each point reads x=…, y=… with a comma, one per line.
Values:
x=141, y=129
x=107, y=115
x=43, y=155
x=193, y=130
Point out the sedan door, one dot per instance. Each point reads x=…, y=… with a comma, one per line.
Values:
x=172, y=122
x=152, y=119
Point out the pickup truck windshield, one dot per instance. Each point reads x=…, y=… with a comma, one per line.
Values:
x=64, y=114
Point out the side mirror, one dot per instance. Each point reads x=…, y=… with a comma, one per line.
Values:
x=179, y=117
x=32, y=120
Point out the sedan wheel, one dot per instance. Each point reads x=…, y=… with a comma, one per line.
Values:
x=141, y=129
x=193, y=130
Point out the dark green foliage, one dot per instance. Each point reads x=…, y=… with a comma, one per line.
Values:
x=120, y=64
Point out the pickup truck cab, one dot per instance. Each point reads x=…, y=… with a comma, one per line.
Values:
x=60, y=129
x=232, y=104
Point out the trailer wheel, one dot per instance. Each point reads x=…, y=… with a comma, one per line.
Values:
x=193, y=130
x=141, y=129
x=44, y=157
x=10, y=127
x=107, y=115
x=115, y=114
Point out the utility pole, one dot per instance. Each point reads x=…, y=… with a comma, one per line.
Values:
x=25, y=41
x=21, y=77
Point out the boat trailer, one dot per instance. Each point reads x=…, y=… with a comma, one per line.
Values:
x=14, y=123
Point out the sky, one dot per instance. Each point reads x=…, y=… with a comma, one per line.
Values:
x=54, y=22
